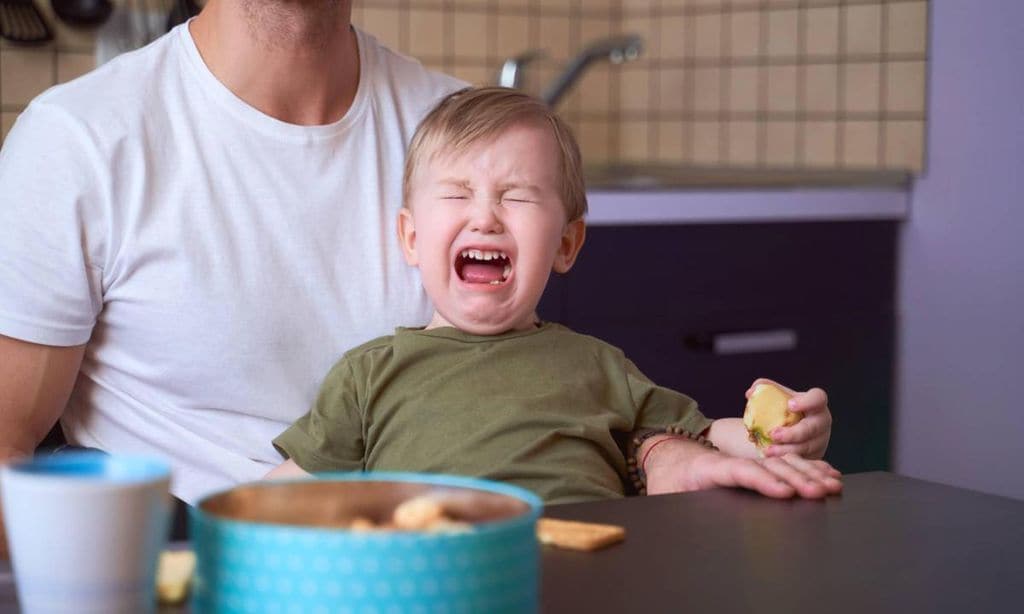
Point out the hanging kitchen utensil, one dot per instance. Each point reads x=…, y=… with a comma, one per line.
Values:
x=21, y=22
x=82, y=13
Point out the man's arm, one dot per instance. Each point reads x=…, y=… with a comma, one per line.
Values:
x=35, y=383
x=287, y=469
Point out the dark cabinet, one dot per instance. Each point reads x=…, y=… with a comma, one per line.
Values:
x=706, y=309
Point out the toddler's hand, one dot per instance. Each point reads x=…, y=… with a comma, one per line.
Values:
x=807, y=438
x=679, y=468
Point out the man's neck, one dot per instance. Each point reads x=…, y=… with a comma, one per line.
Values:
x=295, y=61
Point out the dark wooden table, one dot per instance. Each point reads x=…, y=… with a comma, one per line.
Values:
x=888, y=544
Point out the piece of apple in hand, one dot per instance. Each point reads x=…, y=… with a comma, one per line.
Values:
x=767, y=408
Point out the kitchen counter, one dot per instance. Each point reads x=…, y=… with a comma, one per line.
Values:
x=625, y=195
x=610, y=208
x=632, y=177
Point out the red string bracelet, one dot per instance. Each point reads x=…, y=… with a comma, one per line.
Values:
x=637, y=475
x=643, y=461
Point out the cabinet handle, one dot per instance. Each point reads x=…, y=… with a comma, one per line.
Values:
x=745, y=342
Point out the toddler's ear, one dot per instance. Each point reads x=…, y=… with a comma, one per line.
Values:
x=572, y=241
x=407, y=236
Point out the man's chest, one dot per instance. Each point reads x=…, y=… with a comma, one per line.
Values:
x=242, y=288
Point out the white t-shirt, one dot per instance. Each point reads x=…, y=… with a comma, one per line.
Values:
x=216, y=260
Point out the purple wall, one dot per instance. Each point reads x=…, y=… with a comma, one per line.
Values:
x=960, y=409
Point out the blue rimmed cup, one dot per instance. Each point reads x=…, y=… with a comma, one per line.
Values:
x=282, y=546
x=85, y=530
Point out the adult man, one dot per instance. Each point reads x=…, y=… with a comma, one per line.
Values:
x=195, y=231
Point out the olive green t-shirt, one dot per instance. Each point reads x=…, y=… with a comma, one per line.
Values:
x=537, y=408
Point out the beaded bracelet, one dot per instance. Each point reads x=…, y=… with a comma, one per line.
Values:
x=637, y=475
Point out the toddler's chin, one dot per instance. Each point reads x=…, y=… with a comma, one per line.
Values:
x=486, y=328
x=490, y=325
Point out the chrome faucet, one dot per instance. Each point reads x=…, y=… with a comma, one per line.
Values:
x=616, y=49
x=511, y=74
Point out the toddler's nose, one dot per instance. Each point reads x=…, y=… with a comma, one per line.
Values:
x=485, y=219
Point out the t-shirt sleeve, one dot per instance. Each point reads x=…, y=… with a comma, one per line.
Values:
x=659, y=407
x=330, y=436
x=53, y=217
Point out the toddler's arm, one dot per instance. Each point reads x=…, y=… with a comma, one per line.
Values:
x=287, y=469
x=682, y=465
x=807, y=438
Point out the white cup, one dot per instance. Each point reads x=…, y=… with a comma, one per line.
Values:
x=85, y=531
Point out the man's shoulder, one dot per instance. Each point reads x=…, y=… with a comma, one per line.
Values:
x=115, y=89
x=404, y=76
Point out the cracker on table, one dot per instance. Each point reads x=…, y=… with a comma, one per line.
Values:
x=576, y=535
x=174, y=575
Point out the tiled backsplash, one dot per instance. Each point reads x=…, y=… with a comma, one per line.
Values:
x=765, y=83
x=746, y=83
x=26, y=71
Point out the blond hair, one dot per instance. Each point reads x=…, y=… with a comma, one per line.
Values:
x=476, y=114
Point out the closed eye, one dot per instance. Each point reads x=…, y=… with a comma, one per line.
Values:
x=453, y=197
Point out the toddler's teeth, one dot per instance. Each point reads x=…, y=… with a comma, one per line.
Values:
x=506, y=271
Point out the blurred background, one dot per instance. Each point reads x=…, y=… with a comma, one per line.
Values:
x=778, y=83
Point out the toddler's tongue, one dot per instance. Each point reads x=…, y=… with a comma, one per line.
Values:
x=482, y=272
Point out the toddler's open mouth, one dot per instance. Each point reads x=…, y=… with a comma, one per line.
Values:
x=476, y=266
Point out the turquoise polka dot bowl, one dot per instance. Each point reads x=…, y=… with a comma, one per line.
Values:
x=285, y=546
